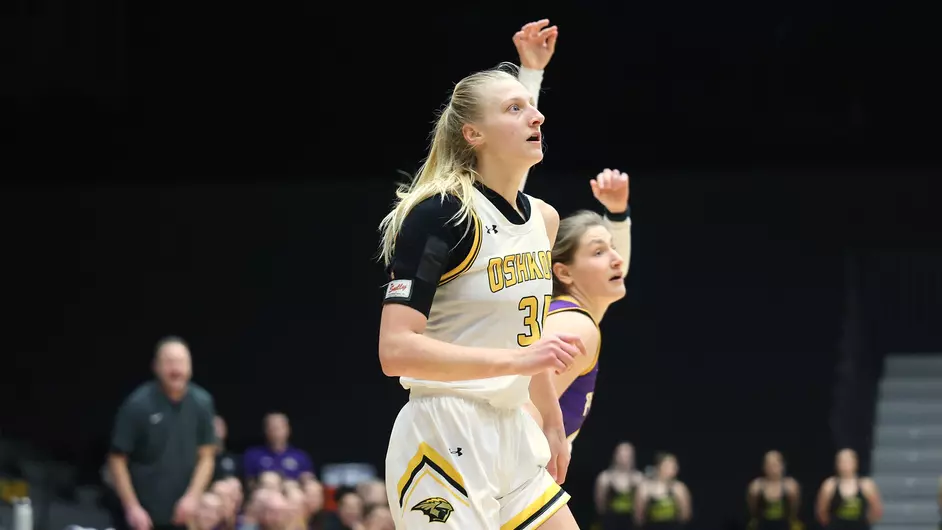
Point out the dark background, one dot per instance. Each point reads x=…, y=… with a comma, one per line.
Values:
x=218, y=172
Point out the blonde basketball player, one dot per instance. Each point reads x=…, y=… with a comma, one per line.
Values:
x=470, y=261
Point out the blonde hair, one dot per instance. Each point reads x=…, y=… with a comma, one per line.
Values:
x=570, y=232
x=450, y=167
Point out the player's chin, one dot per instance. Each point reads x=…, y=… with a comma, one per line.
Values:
x=617, y=291
x=534, y=153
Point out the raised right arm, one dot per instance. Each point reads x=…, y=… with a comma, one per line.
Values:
x=431, y=251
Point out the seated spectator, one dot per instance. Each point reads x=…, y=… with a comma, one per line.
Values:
x=349, y=514
x=314, y=503
x=379, y=518
x=296, y=505
x=274, y=513
x=208, y=514
x=231, y=502
x=237, y=492
x=252, y=515
x=277, y=455
x=269, y=480
x=373, y=493
x=227, y=463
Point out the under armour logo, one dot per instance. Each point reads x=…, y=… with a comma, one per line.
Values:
x=456, y=451
x=492, y=229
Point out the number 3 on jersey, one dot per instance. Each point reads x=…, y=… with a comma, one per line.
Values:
x=533, y=318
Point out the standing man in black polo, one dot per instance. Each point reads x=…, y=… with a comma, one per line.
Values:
x=163, y=447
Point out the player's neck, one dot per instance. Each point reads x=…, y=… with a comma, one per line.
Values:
x=502, y=180
x=596, y=309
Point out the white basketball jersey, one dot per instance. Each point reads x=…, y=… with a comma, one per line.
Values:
x=496, y=298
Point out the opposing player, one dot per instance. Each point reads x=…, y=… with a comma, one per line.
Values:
x=590, y=263
x=470, y=261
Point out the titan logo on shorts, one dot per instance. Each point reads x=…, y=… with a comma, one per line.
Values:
x=437, y=509
x=399, y=289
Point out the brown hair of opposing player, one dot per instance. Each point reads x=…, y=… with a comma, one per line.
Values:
x=571, y=230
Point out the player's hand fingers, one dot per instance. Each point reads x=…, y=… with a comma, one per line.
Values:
x=574, y=341
x=600, y=178
x=544, y=34
x=536, y=25
x=557, y=365
x=551, y=41
x=568, y=353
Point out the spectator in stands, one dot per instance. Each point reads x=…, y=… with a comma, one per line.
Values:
x=277, y=455
x=379, y=518
x=209, y=513
x=163, y=447
x=294, y=495
x=227, y=463
x=314, y=503
x=663, y=502
x=349, y=514
x=615, y=489
x=773, y=498
x=229, y=493
x=275, y=513
x=254, y=508
x=373, y=493
x=848, y=501
x=269, y=480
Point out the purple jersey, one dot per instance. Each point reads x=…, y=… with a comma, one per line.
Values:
x=577, y=399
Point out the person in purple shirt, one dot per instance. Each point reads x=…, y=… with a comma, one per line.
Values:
x=277, y=455
x=590, y=262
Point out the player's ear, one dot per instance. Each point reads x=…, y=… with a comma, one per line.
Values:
x=561, y=272
x=472, y=134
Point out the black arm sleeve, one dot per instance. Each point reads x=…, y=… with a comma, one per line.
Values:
x=428, y=246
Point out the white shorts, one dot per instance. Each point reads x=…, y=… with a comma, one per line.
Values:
x=457, y=461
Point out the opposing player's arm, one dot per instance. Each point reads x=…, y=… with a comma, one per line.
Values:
x=621, y=237
x=611, y=189
x=574, y=323
x=431, y=250
x=550, y=218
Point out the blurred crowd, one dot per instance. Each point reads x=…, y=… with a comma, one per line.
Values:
x=275, y=487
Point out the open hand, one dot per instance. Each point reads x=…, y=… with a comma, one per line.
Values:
x=536, y=43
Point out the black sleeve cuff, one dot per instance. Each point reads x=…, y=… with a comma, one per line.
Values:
x=617, y=216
